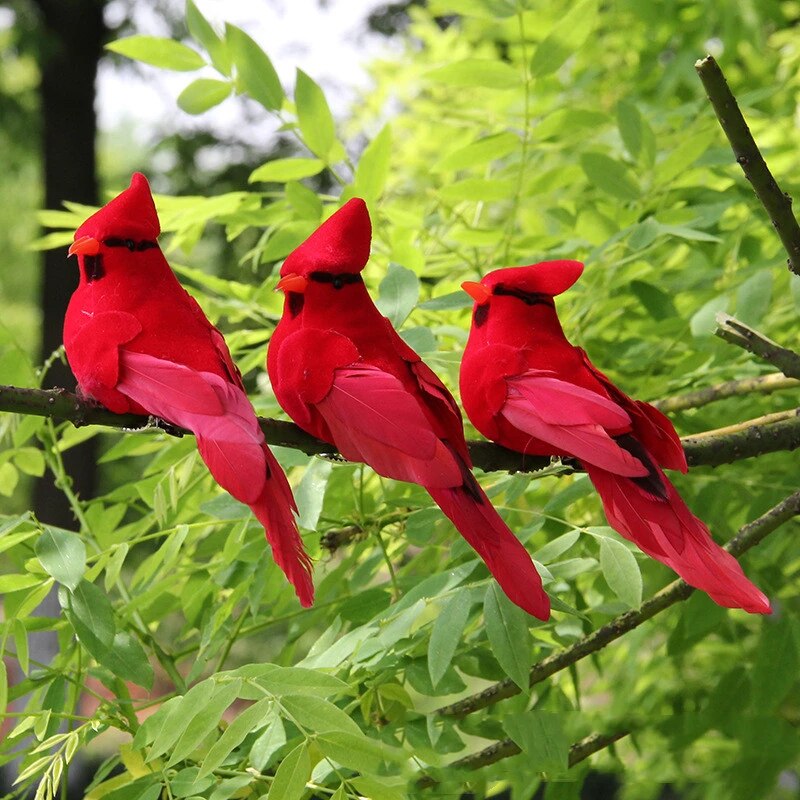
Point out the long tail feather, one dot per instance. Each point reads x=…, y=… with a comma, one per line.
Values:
x=665, y=529
x=470, y=511
x=275, y=509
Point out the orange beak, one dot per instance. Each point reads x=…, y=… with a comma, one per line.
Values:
x=292, y=283
x=85, y=246
x=477, y=291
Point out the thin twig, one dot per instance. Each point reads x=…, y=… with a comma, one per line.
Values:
x=735, y=332
x=506, y=748
x=752, y=438
x=778, y=204
x=748, y=536
x=709, y=394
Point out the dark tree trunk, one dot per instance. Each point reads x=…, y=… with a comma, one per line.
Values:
x=72, y=36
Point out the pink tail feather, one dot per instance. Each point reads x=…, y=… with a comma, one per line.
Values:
x=666, y=530
x=230, y=443
x=505, y=556
x=275, y=509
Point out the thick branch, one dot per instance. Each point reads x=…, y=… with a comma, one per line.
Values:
x=720, y=391
x=778, y=204
x=735, y=332
x=748, y=536
x=506, y=748
x=767, y=434
x=756, y=437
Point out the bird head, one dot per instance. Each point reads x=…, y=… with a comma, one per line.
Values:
x=128, y=222
x=335, y=253
x=530, y=284
x=519, y=289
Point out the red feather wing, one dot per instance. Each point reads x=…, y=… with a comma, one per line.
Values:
x=374, y=418
x=650, y=426
x=92, y=343
x=574, y=420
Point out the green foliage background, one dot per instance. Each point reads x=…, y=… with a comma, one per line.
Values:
x=505, y=133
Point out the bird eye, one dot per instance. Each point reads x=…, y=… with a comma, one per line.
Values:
x=130, y=244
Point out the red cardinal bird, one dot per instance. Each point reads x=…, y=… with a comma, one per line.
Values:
x=138, y=342
x=342, y=373
x=526, y=387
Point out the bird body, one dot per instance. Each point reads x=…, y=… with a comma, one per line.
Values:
x=138, y=342
x=342, y=373
x=524, y=386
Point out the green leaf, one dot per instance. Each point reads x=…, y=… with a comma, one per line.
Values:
x=448, y=302
x=777, y=664
x=30, y=460
x=202, y=94
x=621, y=571
x=540, y=735
x=251, y=719
x=419, y=339
x=255, y=72
x=205, y=717
x=446, y=633
x=690, y=234
x=753, y=297
x=281, y=170
x=21, y=644
x=3, y=688
x=292, y=775
x=507, y=629
x=357, y=752
x=477, y=72
x=127, y=659
x=204, y=34
x=372, y=169
x=314, y=116
x=114, y=565
x=163, y=53
x=482, y=151
x=656, y=302
x=567, y=37
x=398, y=294
x=8, y=479
x=13, y=583
x=610, y=176
x=703, y=321
x=693, y=145
x=299, y=680
x=553, y=549
x=644, y=233
x=629, y=122
x=63, y=556
x=318, y=715
x=310, y=492
x=381, y=788
x=268, y=744
x=89, y=611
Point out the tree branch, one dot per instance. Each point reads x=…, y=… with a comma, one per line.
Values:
x=767, y=434
x=748, y=536
x=745, y=440
x=778, y=204
x=720, y=391
x=506, y=748
x=735, y=332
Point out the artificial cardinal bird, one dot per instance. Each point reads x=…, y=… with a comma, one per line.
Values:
x=526, y=387
x=343, y=374
x=138, y=342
